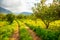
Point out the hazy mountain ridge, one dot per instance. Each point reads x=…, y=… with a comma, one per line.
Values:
x=3, y=10
x=26, y=13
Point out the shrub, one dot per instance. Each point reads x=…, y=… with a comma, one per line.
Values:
x=10, y=18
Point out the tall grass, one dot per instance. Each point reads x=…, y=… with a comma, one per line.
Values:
x=46, y=34
x=7, y=31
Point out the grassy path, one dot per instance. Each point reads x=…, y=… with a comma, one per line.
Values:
x=15, y=35
x=32, y=33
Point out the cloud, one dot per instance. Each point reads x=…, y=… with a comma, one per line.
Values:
x=11, y=3
x=0, y=2
x=18, y=5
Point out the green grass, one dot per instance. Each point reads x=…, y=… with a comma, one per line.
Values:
x=46, y=34
x=6, y=31
x=52, y=33
x=24, y=34
x=3, y=23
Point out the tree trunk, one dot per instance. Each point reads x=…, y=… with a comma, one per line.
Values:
x=47, y=24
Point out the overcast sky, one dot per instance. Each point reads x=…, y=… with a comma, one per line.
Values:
x=19, y=5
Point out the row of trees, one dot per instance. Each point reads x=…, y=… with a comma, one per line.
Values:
x=10, y=17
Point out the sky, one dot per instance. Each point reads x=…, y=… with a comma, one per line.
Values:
x=18, y=6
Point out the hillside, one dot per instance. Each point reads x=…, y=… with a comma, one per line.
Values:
x=3, y=10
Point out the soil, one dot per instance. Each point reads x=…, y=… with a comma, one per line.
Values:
x=33, y=34
x=15, y=35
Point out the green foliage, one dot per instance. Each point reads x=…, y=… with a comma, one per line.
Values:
x=2, y=16
x=24, y=34
x=3, y=23
x=45, y=34
x=7, y=31
x=10, y=17
x=47, y=13
x=59, y=37
x=22, y=16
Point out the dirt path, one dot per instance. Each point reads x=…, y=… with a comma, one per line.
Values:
x=33, y=34
x=15, y=35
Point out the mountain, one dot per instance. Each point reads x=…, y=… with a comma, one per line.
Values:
x=26, y=13
x=3, y=10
